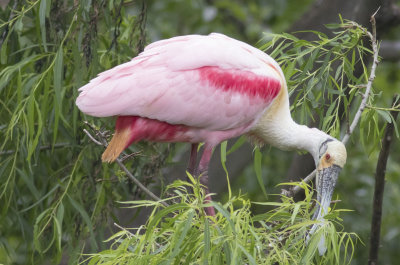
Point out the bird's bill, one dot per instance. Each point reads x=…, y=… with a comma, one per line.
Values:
x=326, y=181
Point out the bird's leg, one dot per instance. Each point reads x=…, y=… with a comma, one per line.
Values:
x=203, y=175
x=193, y=159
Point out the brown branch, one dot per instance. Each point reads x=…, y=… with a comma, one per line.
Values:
x=140, y=24
x=103, y=142
x=372, y=36
x=142, y=27
x=118, y=21
x=379, y=189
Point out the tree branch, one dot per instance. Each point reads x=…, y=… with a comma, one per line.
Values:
x=372, y=36
x=371, y=78
x=103, y=142
x=379, y=189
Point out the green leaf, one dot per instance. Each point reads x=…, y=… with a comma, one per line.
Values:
x=60, y=219
x=85, y=218
x=34, y=143
x=154, y=220
x=257, y=169
x=239, y=142
x=31, y=123
x=183, y=233
x=29, y=183
x=37, y=230
x=295, y=212
x=44, y=6
x=3, y=50
x=248, y=255
x=225, y=213
x=207, y=242
x=58, y=70
x=385, y=115
x=223, y=162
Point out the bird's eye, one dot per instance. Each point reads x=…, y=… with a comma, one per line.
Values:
x=327, y=156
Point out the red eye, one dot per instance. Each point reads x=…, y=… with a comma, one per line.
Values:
x=327, y=156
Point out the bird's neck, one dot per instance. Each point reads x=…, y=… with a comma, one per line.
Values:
x=277, y=128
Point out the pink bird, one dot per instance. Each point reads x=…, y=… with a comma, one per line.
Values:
x=207, y=89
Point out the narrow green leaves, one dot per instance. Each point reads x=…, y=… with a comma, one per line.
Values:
x=85, y=218
x=223, y=162
x=258, y=168
x=181, y=234
x=58, y=71
x=321, y=73
x=206, y=241
x=183, y=230
x=44, y=10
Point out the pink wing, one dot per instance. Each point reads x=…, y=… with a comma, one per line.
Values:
x=211, y=82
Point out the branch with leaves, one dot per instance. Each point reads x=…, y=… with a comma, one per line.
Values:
x=365, y=96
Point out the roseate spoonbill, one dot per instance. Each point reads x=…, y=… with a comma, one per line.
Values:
x=206, y=89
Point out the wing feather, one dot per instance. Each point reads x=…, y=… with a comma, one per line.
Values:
x=167, y=82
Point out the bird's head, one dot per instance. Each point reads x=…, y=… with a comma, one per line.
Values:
x=329, y=162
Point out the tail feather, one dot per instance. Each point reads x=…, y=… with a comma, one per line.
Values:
x=120, y=140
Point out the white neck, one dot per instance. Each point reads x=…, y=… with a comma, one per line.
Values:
x=277, y=128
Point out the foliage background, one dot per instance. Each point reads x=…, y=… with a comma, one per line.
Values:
x=58, y=200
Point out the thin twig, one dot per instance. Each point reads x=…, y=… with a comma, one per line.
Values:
x=137, y=182
x=139, y=25
x=379, y=189
x=142, y=27
x=393, y=108
x=124, y=229
x=370, y=79
x=118, y=21
x=103, y=142
x=294, y=190
x=128, y=156
x=92, y=138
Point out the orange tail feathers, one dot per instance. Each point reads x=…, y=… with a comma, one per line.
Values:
x=118, y=143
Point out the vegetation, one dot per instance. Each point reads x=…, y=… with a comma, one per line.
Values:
x=60, y=203
x=181, y=234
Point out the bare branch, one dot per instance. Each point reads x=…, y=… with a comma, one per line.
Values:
x=370, y=79
x=137, y=182
x=294, y=190
x=92, y=138
x=103, y=142
x=379, y=189
x=124, y=229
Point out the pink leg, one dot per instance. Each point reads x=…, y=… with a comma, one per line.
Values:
x=193, y=159
x=203, y=174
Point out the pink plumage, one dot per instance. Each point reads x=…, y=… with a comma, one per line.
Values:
x=213, y=86
x=207, y=89
x=185, y=89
